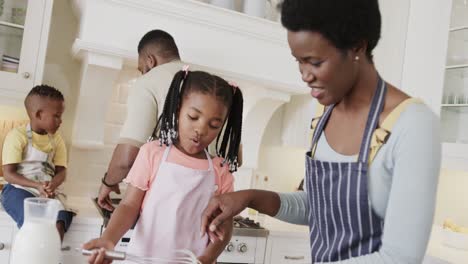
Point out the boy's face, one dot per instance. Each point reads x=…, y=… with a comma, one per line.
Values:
x=49, y=118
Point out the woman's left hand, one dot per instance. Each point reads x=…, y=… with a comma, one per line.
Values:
x=220, y=209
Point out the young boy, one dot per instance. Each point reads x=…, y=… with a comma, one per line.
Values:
x=34, y=156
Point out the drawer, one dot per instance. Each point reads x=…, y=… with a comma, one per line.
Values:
x=6, y=240
x=289, y=251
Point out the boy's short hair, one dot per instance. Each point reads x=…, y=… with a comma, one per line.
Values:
x=46, y=91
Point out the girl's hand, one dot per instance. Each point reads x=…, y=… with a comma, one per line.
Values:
x=98, y=256
x=221, y=208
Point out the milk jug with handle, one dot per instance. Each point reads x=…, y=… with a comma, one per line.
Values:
x=38, y=240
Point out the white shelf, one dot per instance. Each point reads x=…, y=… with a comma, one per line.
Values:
x=454, y=105
x=459, y=66
x=8, y=24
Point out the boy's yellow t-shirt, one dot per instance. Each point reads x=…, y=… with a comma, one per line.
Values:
x=16, y=142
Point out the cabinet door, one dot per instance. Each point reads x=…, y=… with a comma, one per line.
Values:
x=23, y=42
x=288, y=251
x=74, y=238
x=6, y=240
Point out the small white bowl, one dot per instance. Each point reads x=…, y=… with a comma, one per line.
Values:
x=454, y=239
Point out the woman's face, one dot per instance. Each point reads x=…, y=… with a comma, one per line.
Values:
x=328, y=71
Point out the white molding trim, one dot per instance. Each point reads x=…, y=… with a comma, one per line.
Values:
x=281, y=91
x=206, y=15
x=100, y=55
x=81, y=46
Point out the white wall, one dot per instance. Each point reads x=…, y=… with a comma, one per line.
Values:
x=280, y=166
x=452, y=199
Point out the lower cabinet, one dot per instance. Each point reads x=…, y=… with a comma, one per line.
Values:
x=287, y=250
x=74, y=238
x=7, y=232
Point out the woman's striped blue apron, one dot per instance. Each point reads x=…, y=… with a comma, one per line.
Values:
x=341, y=220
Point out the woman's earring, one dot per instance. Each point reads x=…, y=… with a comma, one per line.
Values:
x=356, y=58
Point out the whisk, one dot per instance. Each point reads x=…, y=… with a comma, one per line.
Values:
x=185, y=257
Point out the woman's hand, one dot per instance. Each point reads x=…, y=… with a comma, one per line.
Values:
x=226, y=206
x=221, y=208
x=100, y=245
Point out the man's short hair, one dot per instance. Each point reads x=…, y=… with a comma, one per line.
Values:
x=162, y=40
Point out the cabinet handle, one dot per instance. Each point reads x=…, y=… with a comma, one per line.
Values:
x=66, y=248
x=26, y=75
x=2, y=246
x=294, y=258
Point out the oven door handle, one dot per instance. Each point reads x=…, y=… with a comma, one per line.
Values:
x=294, y=257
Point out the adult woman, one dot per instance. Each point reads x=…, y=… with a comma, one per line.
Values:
x=369, y=198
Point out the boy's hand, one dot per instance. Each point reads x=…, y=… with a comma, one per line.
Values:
x=52, y=185
x=41, y=187
x=48, y=188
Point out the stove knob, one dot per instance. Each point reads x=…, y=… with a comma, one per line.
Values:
x=242, y=248
x=230, y=247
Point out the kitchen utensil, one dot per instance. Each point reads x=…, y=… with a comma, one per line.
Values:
x=184, y=257
x=38, y=240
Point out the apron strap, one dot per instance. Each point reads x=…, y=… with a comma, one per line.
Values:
x=29, y=133
x=376, y=108
x=210, y=162
x=168, y=148
x=319, y=129
x=166, y=153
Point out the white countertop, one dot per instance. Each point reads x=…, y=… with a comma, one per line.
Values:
x=437, y=249
x=86, y=212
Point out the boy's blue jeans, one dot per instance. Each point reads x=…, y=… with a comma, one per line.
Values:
x=13, y=202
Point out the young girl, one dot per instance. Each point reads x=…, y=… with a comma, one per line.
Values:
x=173, y=178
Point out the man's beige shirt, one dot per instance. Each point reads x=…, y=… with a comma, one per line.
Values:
x=146, y=101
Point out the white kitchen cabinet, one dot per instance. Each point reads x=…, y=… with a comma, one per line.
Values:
x=6, y=240
x=74, y=238
x=454, y=101
x=24, y=29
x=287, y=250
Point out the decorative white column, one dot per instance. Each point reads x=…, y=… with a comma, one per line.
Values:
x=255, y=8
x=98, y=74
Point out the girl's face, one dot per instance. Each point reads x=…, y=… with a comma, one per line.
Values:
x=327, y=71
x=201, y=118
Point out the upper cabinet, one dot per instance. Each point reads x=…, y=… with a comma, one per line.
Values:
x=24, y=29
x=454, y=113
x=454, y=101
